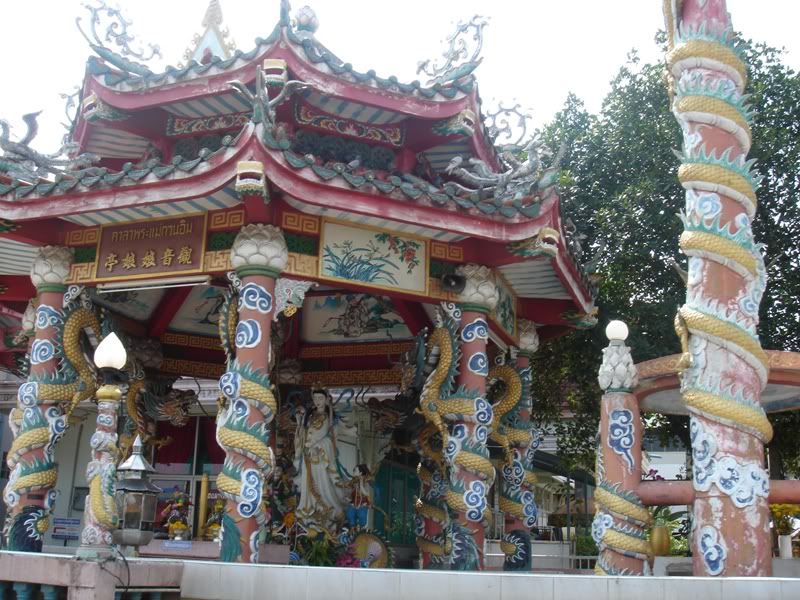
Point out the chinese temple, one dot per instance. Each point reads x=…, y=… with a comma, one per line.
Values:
x=361, y=268
x=297, y=303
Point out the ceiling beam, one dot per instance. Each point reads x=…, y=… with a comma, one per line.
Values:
x=166, y=310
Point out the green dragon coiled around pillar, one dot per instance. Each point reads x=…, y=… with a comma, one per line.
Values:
x=245, y=440
x=45, y=403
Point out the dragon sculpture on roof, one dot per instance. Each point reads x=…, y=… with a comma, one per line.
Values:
x=19, y=161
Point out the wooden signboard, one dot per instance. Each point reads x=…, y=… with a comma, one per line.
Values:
x=151, y=248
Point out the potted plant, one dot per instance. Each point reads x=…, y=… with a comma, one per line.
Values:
x=665, y=521
x=783, y=516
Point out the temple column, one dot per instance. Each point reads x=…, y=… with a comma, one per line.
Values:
x=517, y=500
x=30, y=492
x=471, y=471
x=724, y=369
x=258, y=255
x=620, y=523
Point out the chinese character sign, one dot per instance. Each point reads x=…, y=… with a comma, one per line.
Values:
x=150, y=248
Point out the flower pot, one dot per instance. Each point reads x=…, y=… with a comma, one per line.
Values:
x=659, y=540
x=785, y=546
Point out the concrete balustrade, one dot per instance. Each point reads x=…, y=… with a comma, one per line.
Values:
x=25, y=575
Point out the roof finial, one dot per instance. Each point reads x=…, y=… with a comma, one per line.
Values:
x=213, y=41
x=213, y=14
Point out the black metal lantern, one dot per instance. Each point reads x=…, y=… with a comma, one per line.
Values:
x=136, y=499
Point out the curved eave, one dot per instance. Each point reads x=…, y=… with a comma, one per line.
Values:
x=306, y=186
x=302, y=183
x=143, y=95
x=203, y=180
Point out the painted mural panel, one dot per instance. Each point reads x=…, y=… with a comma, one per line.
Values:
x=134, y=304
x=351, y=318
x=505, y=313
x=199, y=313
x=374, y=257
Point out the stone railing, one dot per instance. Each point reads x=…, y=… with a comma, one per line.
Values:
x=25, y=576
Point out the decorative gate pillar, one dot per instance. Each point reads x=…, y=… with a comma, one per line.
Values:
x=517, y=486
x=724, y=368
x=258, y=255
x=471, y=471
x=620, y=524
x=30, y=492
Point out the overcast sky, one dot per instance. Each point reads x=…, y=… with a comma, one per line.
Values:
x=535, y=52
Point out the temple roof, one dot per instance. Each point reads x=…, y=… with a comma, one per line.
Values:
x=117, y=72
x=331, y=142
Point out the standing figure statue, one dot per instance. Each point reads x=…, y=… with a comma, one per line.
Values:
x=358, y=487
x=322, y=495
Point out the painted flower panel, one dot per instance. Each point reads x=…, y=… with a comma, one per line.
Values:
x=375, y=258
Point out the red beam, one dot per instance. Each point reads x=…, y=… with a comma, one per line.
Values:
x=40, y=233
x=412, y=313
x=165, y=311
x=18, y=288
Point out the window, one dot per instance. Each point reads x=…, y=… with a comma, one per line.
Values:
x=395, y=489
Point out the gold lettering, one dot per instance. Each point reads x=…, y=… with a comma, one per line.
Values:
x=111, y=261
x=185, y=255
x=149, y=259
x=129, y=261
x=166, y=258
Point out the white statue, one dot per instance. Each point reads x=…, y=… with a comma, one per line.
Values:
x=322, y=494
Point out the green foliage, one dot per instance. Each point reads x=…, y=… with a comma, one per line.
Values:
x=584, y=544
x=620, y=186
x=319, y=551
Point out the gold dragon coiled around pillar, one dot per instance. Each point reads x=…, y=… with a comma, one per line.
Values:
x=717, y=101
x=515, y=435
x=244, y=439
x=620, y=526
x=430, y=507
x=44, y=404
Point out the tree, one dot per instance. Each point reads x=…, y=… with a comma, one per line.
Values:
x=620, y=186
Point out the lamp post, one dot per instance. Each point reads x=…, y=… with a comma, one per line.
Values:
x=101, y=511
x=136, y=500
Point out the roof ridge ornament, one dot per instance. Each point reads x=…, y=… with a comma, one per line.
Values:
x=19, y=161
x=116, y=32
x=264, y=108
x=510, y=125
x=524, y=173
x=458, y=61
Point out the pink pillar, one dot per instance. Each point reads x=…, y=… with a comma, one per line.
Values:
x=471, y=471
x=30, y=492
x=620, y=522
x=259, y=254
x=724, y=367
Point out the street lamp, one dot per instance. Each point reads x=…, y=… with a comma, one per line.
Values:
x=96, y=537
x=136, y=500
x=617, y=331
